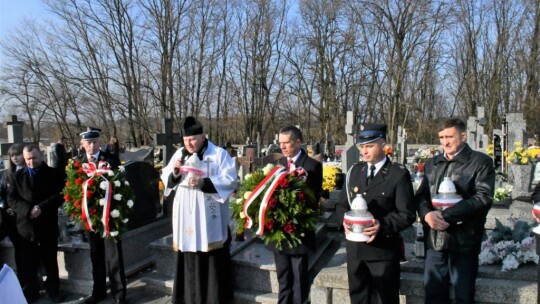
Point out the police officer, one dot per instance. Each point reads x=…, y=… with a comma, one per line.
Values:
x=373, y=266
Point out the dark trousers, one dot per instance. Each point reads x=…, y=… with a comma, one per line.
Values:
x=373, y=281
x=32, y=253
x=293, y=278
x=107, y=260
x=443, y=268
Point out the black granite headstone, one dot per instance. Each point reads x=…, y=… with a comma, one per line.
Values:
x=144, y=180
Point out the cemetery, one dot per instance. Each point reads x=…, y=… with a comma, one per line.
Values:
x=148, y=242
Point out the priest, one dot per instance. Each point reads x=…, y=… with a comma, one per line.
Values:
x=204, y=177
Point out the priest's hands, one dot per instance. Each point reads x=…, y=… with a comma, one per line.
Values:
x=177, y=166
x=195, y=182
x=35, y=212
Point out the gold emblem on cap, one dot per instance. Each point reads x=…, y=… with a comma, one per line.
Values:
x=355, y=189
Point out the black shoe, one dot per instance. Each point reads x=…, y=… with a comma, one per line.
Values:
x=94, y=299
x=121, y=301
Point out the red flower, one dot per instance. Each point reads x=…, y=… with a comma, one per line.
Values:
x=269, y=224
x=91, y=182
x=294, y=173
x=283, y=182
x=93, y=211
x=76, y=204
x=68, y=183
x=80, y=171
x=78, y=181
x=272, y=203
x=289, y=227
x=89, y=194
x=420, y=167
x=301, y=195
x=67, y=198
x=77, y=164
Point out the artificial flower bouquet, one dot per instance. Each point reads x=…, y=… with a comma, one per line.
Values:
x=502, y=193
x=509, y=247
x=330, y=171
x=276, y=205
x=98, y=197
x=521, y=155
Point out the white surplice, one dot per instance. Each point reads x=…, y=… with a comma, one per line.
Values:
x=200, y=219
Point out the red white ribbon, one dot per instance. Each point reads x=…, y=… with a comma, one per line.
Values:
x=91, y=170
x=257, y=191
x=266, y=198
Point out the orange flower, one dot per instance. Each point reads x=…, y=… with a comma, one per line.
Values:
x=388, y=150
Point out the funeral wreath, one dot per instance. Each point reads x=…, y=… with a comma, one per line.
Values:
x=510, y=247
x=274, y=204
x=97, y=197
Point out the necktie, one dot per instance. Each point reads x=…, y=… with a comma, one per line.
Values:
x=289, y=164
x=371, y=173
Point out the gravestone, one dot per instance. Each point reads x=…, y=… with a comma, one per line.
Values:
x=350, y=154
x=167, y=139
x=274, y=146
x=517, y=128
x=143, y=179
x=476, y=138
x=144, y=153
x=497, y=151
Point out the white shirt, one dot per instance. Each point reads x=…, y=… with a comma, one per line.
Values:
x=378, y=166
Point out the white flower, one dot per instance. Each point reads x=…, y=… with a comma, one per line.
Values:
x=114, y=233
x=117, y=183
x=510, y=262
x=115, y=213
x=248, y=176
x=126, y=183
x=130, y=203
x=239, y=200
x=247, y=194
x=267, y=169
x=125, y=220
x=102, y=202
x=121, y=168
x=103, y=185
x=117, y=196
x=110, y=173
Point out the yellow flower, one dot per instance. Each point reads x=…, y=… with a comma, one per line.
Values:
x=518, y=144
x=519, y=150
x=524, y=160
x=242, y=214
x=247, y=194
x=329, y=177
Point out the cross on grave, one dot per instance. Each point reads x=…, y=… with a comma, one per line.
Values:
x=167, y=139
x=15, y=136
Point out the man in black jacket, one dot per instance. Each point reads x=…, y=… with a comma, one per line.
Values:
x=456, y=261
x=105, y=254
x=373, y=266
x=34, y=194
x=292, y=263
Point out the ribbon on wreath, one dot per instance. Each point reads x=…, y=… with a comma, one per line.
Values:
x=273, y=178
x=92, y=170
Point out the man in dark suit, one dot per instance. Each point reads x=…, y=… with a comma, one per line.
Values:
x=34, y=194
x=373, y=266
x=105, y=254
x=292, y=263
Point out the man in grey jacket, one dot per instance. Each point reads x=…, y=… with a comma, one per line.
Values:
x=456, y=261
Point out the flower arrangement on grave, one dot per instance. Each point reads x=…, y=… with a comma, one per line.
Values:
x=510, y=247
x=330, y=171
x=97, y=197
x=522, y=156
x=490, y=150
x=422, y=155
x=502, y=193
x=274, y=204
